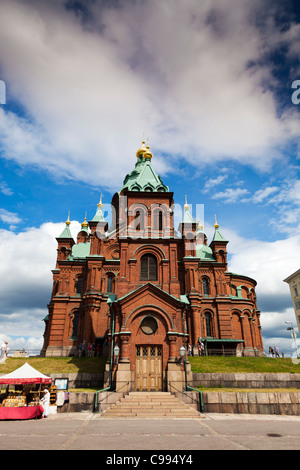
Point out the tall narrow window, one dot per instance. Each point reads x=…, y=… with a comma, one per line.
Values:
x=160, y=221
x=110, y=283
x=139, y=220
x=157, y=222
x=75, y=325
x=79, y=285
x=148, y=268
x=205, y=286
x=208, y=324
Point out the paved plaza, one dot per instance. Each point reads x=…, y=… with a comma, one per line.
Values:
x=89, y=431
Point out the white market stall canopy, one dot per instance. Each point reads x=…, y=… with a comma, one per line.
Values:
x=25, y=375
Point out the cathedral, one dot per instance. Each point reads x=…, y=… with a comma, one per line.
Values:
x=143, y=292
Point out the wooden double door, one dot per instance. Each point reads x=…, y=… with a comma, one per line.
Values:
x=148, y=368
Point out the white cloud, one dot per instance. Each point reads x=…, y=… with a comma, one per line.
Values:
x=5, y=189
x=9, y=217
x=230, y=195
x=264, y=193
x=178, y=71
x=212, y=182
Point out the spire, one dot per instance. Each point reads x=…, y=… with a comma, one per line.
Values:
x=99, y=217
x=187, y=218
x=217, y=235
x=186, y=206
x=85, y=225
x=66, y=233
x=216, y=223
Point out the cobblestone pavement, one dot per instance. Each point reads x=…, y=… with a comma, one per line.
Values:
x=89, y=431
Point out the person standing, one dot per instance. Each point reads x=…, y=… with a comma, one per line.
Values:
x=46, y=402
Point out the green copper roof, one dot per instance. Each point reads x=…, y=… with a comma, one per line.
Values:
x=204, y=252
x=66, y=233
x=144, y=177
x=99, y=217
x=218, y=237
x=187, y=218
x=81, y=250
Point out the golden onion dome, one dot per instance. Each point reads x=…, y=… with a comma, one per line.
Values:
x=148, y=154
x=141, y=150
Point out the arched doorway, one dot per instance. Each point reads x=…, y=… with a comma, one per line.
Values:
x=148, y=358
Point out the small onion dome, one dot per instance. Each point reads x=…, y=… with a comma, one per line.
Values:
x=148, y=154
x=84, y=223
x=141, y=151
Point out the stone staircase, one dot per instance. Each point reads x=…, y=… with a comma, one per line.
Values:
x=150, y=405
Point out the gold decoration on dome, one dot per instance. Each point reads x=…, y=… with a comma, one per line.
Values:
x=148, y=154
x=68, y=221
x=216, y=223
x=100, y=202
x=186, y=206
x=142, y=149
x=200, y=227
x=84, y=223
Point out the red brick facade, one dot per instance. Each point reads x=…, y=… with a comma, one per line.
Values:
x=142, y=283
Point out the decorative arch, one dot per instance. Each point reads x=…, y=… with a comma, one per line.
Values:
x=151, y=309
x=236, y=324
x=148, y=248
x=138, y=214
x=159, y=217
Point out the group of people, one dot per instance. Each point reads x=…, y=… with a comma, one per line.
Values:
x=90, y=349
x=274, y=352
x=200, y=347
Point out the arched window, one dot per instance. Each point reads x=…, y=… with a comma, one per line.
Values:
x=139, y=220
x=110, y=283
x=75, y=323
x=208, y=324
x=79, y=285
x=148, y=268
x=157, y=222
x=205, y=286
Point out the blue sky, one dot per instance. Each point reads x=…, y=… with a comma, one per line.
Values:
x=209, y=83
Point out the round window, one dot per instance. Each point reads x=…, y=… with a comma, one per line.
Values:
x=149, y=325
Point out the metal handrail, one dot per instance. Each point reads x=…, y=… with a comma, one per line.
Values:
x=195, y=390
x=104, y=390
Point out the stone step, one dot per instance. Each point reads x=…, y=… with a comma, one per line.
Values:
x=150, y=405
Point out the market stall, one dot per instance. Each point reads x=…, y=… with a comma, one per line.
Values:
x=25, y=401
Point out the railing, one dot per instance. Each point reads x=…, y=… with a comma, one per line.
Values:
x=191, y=398
x=97, y=404
x=23, y=352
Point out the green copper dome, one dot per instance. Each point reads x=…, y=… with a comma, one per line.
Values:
x=144, y=177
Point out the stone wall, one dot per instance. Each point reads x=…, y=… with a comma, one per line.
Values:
x=81, y=380
x=287, y=403
x=239, y=380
